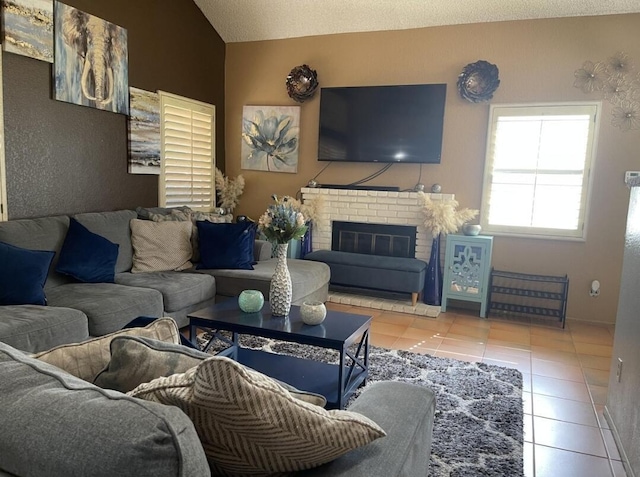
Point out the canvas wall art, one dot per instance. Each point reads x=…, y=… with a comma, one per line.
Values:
x=28, y=28
x=270, y=137
x=144, y=132
x=91, y=61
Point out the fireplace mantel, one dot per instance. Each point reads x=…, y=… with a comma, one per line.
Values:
x=371, y=206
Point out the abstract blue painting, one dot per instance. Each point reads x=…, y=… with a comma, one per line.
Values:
x=144, y=132
x=28, y=28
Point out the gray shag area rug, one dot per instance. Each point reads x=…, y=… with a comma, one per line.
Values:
x=478, y=429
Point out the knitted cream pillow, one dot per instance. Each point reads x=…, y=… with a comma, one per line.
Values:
x=161, y=246
x=249, y=424
x=86, y=359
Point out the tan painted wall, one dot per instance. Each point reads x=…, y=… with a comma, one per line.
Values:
x=537, y=60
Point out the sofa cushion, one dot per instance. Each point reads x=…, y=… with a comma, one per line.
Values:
x=34, y=328
x=46, y=233
x=86, y=256
x=114, y=226
x=136, y=360
x=23, y=274
x=108, y=306
x=406, y=412
x=161, y=246
x=249, y=424
x=228, y=246
x=179, y=290
x=56, y=425
x=307, y=278
x=86, y=359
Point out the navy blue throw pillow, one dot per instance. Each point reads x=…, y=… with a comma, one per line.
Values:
x=87, y=257
x=23, y=274
x=227, y=246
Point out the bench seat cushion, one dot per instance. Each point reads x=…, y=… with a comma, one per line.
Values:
x=108, y=306
x=34, y=328
x=373, y=271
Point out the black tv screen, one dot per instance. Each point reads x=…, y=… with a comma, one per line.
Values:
x=382, y=123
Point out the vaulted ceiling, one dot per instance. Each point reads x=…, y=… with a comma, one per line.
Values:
x=254, y=20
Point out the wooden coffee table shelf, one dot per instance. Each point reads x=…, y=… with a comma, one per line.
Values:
x=339, y=331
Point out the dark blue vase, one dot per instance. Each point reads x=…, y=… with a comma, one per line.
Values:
x=433, y=282
x=306, y=240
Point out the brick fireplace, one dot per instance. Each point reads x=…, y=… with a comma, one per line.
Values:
x=371, y=207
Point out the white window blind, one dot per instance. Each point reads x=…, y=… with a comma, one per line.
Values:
x=537, y=169
x=188, y=159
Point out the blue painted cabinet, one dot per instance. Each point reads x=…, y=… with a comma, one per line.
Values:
x=467, y=266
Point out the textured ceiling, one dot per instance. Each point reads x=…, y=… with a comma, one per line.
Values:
x=253, y=20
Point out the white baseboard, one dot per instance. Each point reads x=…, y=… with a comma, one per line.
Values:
x=616, y=437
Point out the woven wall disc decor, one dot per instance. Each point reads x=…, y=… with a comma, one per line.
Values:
x=478, y=81
x=302, y=83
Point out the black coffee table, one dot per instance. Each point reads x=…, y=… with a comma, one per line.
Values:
x=339, y=331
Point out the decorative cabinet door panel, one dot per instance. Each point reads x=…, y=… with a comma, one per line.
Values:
x=467, y=269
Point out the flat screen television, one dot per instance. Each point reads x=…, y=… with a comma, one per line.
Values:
x=385, y=124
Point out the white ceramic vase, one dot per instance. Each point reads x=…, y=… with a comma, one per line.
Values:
x=280, y=290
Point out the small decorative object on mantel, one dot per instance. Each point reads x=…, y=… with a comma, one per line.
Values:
x=313, y=312
x=615, y=80
x=251, y=301
x=228, y=192
x=282, y=222
x=302, y=83
x=440, y=217
x=478, y=81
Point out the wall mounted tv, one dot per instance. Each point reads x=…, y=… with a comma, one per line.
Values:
x=400, y=124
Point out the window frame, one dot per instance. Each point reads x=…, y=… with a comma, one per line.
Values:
x=197, y=106
x=594, y=109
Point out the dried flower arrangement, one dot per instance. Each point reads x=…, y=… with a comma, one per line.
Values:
x=441, y=216
x=311, y=208
x=228, y=190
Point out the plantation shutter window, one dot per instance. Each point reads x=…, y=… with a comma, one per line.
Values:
x=188, y=145
x=537, y=170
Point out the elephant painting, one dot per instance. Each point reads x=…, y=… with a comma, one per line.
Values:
x=91, y=61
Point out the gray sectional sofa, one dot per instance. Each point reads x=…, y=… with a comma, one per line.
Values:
x=54, y=424
x=77, y=311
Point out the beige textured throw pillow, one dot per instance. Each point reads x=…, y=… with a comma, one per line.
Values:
x=161, y=246
x=249, y=424
x=85, y=360
x=191, y=216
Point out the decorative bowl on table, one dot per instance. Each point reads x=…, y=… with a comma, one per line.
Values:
x=251, y=301
x=471, y=229
x=313, y=312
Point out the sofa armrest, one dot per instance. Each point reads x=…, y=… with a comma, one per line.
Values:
x=261, y=250
x=406, y=413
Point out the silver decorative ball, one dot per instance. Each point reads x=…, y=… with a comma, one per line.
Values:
x=436, y=188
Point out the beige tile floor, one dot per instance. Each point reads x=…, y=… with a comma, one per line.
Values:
x=565, y=371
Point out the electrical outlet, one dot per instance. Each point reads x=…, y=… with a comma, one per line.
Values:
x=619, y=370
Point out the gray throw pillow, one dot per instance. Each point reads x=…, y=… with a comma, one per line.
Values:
x=136, y=360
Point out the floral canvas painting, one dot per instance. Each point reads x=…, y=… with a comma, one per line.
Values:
x=144, y=132
x=91, y=61
x=270, y=137
x=28, y=28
